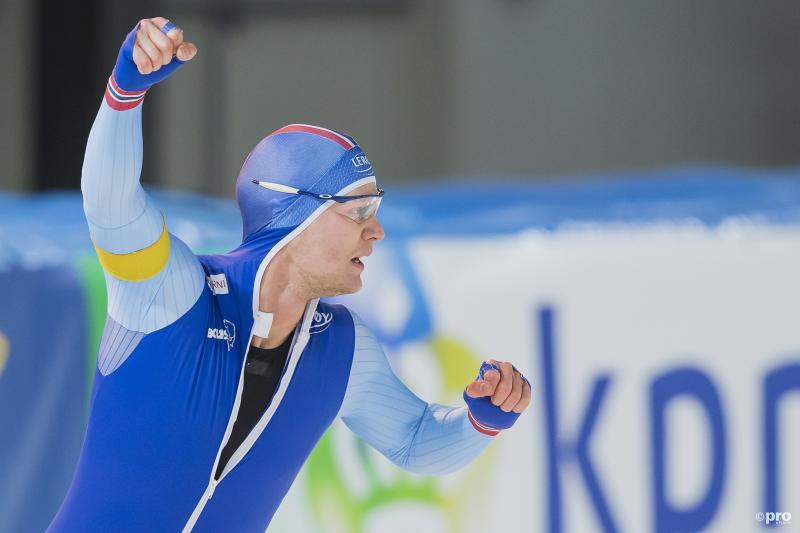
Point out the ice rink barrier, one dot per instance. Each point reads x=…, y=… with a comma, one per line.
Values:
x=656, y=314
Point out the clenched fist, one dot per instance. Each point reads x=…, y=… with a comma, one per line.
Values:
x=157, y=41
x=152, y=51
x=497, y=397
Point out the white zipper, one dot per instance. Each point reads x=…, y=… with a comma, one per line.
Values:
x=200, y=505
x=298, y=345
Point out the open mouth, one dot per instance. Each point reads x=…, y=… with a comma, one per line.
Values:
x=356, y=261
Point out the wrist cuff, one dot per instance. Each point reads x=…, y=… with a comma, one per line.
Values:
x=486, y=430
x=120, y=99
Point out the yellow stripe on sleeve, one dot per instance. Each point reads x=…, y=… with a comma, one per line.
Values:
x=138, y=265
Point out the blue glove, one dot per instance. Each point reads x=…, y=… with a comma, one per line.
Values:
x=126, y=74
x=484, y=415
x=126, y=85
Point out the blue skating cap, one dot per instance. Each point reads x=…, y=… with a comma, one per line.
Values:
x=306, y=157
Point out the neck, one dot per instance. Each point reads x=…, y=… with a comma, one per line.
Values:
x=283, y=295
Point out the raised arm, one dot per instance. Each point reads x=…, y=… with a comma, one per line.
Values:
x=113, y=198
x=152, y=277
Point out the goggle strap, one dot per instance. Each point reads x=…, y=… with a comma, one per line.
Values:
x=277, y=187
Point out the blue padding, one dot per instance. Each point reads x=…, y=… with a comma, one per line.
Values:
x=705, y=195
x=49, y=228
x=42, y=392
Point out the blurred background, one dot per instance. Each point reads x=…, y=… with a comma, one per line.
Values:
x=606, y=193
x=431, y=89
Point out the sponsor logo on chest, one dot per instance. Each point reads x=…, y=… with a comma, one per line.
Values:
x=226, y=333
x=218, y=283
x=320, y=323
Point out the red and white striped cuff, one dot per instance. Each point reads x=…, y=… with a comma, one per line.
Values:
x=486, y=430
x=120, y=99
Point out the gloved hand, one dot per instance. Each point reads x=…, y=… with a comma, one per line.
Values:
x=497, y=396
x=152, y=51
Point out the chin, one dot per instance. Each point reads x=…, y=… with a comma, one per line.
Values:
x=352, y=290
x=349, y=288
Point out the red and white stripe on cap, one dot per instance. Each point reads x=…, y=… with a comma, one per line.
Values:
x=342, y=140
x=120, y=99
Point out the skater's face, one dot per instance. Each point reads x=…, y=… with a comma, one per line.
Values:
x=327, y=255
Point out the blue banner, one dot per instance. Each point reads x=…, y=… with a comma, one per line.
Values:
x=42, y=392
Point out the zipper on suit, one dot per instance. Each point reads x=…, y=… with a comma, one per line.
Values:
x=298, y=344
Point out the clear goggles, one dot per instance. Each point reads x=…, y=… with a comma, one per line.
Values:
x=360, y=207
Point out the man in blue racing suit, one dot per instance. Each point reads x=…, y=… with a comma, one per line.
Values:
x=218, y=374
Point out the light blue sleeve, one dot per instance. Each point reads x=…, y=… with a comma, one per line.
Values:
x=425, y=438
x=123, y=219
